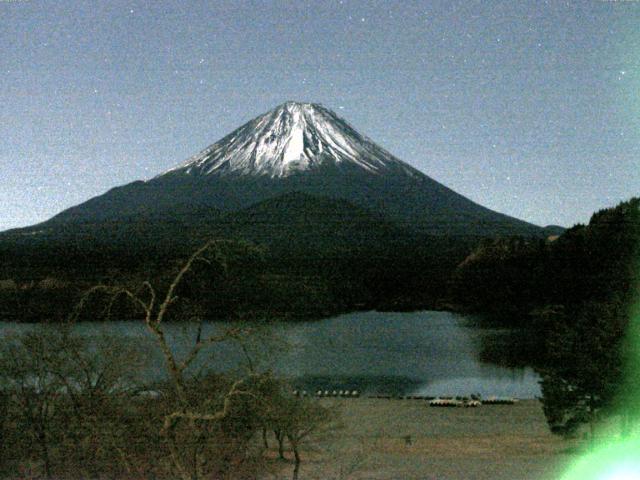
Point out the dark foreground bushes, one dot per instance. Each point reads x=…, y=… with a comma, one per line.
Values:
x=75, y=408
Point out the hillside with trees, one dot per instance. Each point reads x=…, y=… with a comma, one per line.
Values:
x=314, y=257
x=515, y=276
x=575, y=296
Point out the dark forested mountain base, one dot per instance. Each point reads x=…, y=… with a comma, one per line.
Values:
x=316, y=257
x=515, y=277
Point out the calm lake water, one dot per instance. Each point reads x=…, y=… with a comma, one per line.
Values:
x=426, y=353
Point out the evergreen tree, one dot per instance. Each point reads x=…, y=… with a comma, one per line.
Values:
x=585, y=365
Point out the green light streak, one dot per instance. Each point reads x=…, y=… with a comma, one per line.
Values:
x=615, y=458
x=615, y=461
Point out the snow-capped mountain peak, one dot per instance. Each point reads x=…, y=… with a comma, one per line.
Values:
x=292, y=137
x=297, y=148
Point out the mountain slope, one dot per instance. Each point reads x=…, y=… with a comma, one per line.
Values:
x=307, y=224
x=297, y=148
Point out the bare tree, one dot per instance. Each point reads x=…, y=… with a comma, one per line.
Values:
x=345, y=458
x=189, y=460
x=27, y=364
x=294, y=419
x=69, y=397
x=77, y=406
x=305, y=418
x=101, y=379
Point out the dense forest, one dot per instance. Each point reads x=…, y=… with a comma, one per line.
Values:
x=305, y=268
x=516, y=277
x=576, y=298
x=302, y=257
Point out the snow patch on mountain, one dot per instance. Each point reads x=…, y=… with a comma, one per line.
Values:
x=292, y=137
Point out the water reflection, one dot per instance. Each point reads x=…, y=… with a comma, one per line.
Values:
x=427, y=353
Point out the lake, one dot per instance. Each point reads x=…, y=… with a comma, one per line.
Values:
x=416, y=353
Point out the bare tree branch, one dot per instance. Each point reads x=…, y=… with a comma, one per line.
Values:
x=169, y=298
x=187, y=467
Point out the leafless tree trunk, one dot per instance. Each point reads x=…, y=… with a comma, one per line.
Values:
x=296, y=459
x=625, y=422
x=280, y=438
x=44, y=448
x=188, y=467
x=4, y=404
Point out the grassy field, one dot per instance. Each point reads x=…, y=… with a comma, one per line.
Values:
x=407, y=439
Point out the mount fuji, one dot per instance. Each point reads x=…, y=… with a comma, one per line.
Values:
x=298, y=151
x=290, y=139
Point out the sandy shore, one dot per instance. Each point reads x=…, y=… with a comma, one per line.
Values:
x=407, y=439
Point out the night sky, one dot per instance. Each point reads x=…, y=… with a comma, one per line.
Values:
x=528, y=108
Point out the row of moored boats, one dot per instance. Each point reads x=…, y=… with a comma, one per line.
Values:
x=474, y=401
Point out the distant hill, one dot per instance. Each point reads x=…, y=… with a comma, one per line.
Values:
x=597, y=262
x=306, y=223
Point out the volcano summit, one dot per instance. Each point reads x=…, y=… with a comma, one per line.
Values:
x=292, y=138
x=301, y=148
